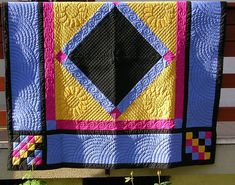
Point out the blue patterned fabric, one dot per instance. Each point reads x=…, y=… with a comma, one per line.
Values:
x=204, y=52
x=24, y=59
x=99, y=149
x=143, y=29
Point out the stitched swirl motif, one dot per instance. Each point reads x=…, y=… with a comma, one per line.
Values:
x=137, y=126
x=75, y=100
x=102, y=149
x=69, y=14
x=159, y=16
x=90, y=27
x=142, y=28
x=204, y=42
x=25, y=76
x=68, y=19
x=88, y=86
x=156, y=109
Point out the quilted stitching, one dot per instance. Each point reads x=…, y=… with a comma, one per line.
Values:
x=68, y=19
x=72, y=101
x=157, y=122
x=161, y=19
x=157, y=101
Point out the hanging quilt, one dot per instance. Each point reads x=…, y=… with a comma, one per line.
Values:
x=113, y=85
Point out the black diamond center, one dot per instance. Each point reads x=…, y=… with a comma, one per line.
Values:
x=114, y=56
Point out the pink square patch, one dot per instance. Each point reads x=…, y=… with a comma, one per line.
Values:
x=195, y=149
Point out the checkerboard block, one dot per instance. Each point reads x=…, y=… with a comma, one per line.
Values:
x=198, y=145
x=27, y=148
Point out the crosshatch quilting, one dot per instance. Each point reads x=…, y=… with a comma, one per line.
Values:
x=113, y=85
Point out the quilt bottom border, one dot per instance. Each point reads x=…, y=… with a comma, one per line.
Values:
x=117, y=166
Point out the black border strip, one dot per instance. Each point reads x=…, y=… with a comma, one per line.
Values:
x=129, y=165
x=219, y=76
x=186, y=76
x=127, y=132
x=186, y=69
x=42, y=80
x=8, y=67
x=116, y=166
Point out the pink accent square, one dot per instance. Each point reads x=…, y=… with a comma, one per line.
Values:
x=16, y=153
x=116, y=3
x=115, y=113
x=208, y=134
x=23, y=146
x=31, y=139
x=61, y=56
x=201, y=156
x=194, y=149
x=169, y=57
x=189, y=142
x=38, y=161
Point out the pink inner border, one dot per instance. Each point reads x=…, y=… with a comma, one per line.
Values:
x=48, y=24
x=180, y=57
x=114, y=125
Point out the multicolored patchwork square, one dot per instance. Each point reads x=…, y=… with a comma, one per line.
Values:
x=199, y=145
x=113, y=85
x=27, y=149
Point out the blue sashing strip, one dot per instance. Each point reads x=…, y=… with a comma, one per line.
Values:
x=142, y=28
x=204, y=44
x=25, y=62
x=87, y=28
x=102, y=149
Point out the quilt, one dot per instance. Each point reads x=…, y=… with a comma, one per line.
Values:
x=112, y=85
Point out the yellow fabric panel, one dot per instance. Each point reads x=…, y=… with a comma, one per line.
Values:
x=16, y=160
x=69, y=19
x=207, y=155
x=195, y=142
x=157, y=101
x=72, y=100
x=38, y=139
x=201, y=149
x=189, y=135
x=23, y=154
x=31, y=147
x=160, y=18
